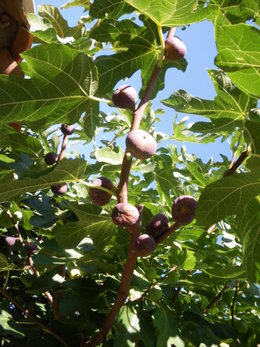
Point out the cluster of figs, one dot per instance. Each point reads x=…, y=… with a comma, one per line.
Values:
x=141, y=145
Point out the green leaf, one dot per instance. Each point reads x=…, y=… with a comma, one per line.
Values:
x=91, y=119
x=226, y=197
x=250, y=229
x=166, y=326
x=8, y=325
x=238, y=11
x=68, y=170
x=99, y=228
x=109, y=8
x=62, y=82
x=230, y=103
x=239, y=56
x=175, y=12
x=107, y=155
x=128, y=327
x=41, y=28
x=73, y=3
x=228, y=272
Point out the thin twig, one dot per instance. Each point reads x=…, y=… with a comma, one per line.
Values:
x=237, y=163
x=215, y=299
x=232, y=308
x=31, y=316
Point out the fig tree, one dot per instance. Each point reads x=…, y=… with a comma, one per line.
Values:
x=141, y=144
x=175, y=49
x=125, y=215
x=125, y=97
x=98, y=196
x=144, y=245
x=59, y=189
x=183, y=209
x=30, y=248
x=157, y=225
x=67, y=129
x=51, y=158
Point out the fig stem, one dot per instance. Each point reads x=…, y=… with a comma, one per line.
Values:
x=95, y=98
x=161, y=57
x=63, y=147
x=167, y=233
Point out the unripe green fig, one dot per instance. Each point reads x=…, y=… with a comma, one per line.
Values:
x=125, y=97
x=157, y=225
x=67, y=129
x=59, y=189
x=183, y=209
x=30, y=248
x=155, y=293
x=98, y=196
x=144, y=245
x=175, y=49
x=51, y=158
x=141, y=144
x=125, y=215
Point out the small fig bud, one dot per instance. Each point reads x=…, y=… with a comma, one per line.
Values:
x=30, y=248
x=51, y=158
x=10, y=240
x=125, y=97
x=141, y=144
x=67, y=129
x=59, y=189
x=125, y=215
x=175, y=49
x=157, y=225
x=183, y=209
x=99, y=196
x=144, y=245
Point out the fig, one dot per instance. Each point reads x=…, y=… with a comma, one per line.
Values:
x=125, y=215
x=141, y=144
x=10, y=240
x=183, y=209
x=59, y=189
x=175, y=49
x=125, y=97
x=30, y=248
x=157, y=225
x=51, y=158
x=98, y=196
x=144, y=245
x=67, y=129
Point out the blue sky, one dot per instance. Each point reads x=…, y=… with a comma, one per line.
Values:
x=201, y=51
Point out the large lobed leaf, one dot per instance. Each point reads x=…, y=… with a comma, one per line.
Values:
x=62, y=81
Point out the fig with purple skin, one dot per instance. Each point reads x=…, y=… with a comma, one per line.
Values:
x=141, y=144
x=183, y=209
x=144, y=245
x=10, y=240
x=51, y=158
x=125, y=97
x=59, y=189
x=98, y=196
x=30, y=248
x=175, y=49
x=67, y=129
x=125, y=215
x=157, y=225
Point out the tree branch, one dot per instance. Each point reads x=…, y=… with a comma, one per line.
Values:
x=214, y=300
x=237, y=163
x=232, y=308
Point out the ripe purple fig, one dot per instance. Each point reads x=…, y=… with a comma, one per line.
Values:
x=10, y=240
x=125, y=97
x=157, y=225
x=98, y=196
x=59, y=189
x=30, y=248
x=51, y=158
x=183, y=209
x=125, y=215
x=67, y=129
x=175, y=49
x=144, y=245
x=141, y=144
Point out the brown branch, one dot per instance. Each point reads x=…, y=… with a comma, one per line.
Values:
x=232, y=308
x=63, y=147
x=215, y=299
x=31, y=316
x=167, y=233
x=237, y=163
